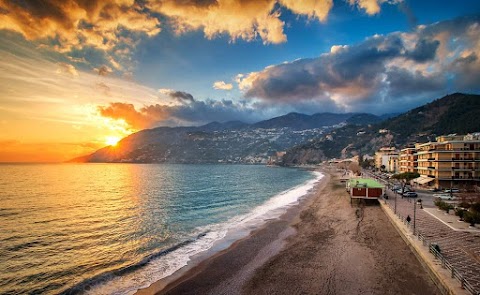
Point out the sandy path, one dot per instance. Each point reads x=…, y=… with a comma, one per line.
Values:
x=336, y=249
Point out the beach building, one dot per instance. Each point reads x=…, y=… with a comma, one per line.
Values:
x=451, y=161
x=364, y=188
x=383, y=156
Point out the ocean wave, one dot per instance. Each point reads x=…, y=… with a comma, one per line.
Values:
x=99, y=284
x=164, y=263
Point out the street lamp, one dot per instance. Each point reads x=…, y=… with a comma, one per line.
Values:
x=414, y=215
x=395, y=202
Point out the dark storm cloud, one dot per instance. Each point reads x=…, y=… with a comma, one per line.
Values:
x=403, y=82
x=352, y=70
x=382, y=68
x=221, y=111
x=425, y=50
x=181, y=96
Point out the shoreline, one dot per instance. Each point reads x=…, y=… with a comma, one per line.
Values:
x=319, y=246
x=231, y=241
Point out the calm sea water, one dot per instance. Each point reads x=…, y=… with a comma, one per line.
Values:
x=115, y=228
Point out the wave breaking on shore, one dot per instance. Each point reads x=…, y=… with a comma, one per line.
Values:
x=167, y=261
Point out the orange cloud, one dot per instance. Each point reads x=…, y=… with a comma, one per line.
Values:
x=75, y=24
x=247, y=19
x=68, y=69
x=310, y=8
x=239, y=19
x=116, y=26
x=144, y=118
x=221, y=85
x=371, y=7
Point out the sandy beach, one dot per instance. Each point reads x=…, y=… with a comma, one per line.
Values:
x=323, y=246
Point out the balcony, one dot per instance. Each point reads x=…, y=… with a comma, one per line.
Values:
x=469, y=178
x=465, y=159
x=463, y=169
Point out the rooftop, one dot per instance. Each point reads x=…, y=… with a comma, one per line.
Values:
x=368, y=182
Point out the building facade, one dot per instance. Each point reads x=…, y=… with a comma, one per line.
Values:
x=383, y=158
x=364, y=188
x=408, y=160
x=451, y=161
x=393, y=161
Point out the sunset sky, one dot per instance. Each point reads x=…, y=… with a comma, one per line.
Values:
x=76, y=75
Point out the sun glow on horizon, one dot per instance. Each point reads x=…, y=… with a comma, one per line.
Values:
x=112, y=140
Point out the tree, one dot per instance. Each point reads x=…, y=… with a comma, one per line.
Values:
x=472, y=217
x=405, y=178
x=444, y=206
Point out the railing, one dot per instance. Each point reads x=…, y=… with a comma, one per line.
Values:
x=455, y=273
x=468, y=159
x=438, y=255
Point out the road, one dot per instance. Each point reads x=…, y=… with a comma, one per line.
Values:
x=426, y=196
x=460, y=248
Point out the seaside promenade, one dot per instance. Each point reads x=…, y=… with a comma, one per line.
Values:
x=459, y=244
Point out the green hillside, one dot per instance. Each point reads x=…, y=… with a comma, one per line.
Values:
x=456, y=113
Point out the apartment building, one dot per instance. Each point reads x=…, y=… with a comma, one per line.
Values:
x=393, y=161
x=408, y=160
x=451, y=161
x=388, y=158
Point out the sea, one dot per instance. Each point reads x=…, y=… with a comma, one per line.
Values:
x=117, y=228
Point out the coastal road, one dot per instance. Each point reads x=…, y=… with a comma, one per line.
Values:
x=426, y=196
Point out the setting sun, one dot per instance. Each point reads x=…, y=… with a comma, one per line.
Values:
x=112, y=140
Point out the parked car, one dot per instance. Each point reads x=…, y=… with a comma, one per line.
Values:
x=410, y=194
x=446, y=197
x=399, y=191
x=434, y=189
x=453, y=190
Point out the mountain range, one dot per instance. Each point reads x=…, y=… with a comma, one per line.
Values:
x=455, y=113
x=229, y=142
x=305, y=138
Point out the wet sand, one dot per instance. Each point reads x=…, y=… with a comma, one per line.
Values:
x=324, y=246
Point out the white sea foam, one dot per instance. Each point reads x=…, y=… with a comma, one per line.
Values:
x=164, y=266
